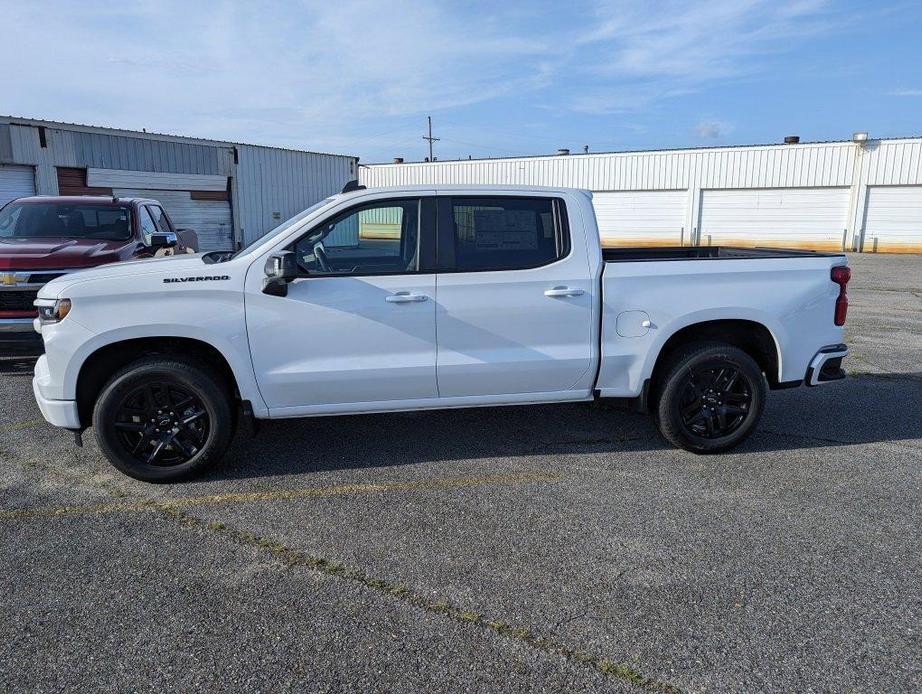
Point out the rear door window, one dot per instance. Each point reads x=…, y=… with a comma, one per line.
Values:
x=504, y=233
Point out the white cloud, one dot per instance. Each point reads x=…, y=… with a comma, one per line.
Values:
x=709, y=129
x=906, y=92
x=317, y=74
x=651, y=51
x=359, y=76
x=629, y=97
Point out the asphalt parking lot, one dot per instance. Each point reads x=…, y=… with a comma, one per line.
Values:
x=521, y=549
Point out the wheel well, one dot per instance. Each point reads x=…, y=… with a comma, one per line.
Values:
x=106, y=361
x=751, y=337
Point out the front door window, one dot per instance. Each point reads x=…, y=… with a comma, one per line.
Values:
x=376, y=239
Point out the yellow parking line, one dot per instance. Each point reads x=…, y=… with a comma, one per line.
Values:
x=16, y=426
x=282, y=495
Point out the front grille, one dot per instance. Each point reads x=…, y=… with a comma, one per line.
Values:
x=44, y=277
x=17, y=300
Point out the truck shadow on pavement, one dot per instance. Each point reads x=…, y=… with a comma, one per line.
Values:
x=860, y=410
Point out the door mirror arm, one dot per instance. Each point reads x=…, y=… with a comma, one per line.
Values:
x=281, y=268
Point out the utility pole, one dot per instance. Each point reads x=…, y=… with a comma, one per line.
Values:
x=430, y=138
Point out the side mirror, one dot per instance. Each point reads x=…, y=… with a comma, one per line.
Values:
x=163, y=239
x=281, y=268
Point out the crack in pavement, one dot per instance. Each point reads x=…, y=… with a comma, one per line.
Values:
x=292, y=557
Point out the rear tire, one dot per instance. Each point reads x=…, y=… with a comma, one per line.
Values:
x=709, y=398
x=164, y=419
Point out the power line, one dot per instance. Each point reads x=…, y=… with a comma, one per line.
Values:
x=530, y=141
x=487, y=147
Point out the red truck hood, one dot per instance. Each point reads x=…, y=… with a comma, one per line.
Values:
x=57, y=253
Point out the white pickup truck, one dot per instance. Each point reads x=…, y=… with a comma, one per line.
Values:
x=430, y=297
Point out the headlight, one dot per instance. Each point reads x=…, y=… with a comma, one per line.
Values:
x=54, y=314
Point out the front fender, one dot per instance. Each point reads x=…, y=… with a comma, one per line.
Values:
x=233, y=347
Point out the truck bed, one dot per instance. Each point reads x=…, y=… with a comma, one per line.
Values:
x=634, y=254
x=648, y=297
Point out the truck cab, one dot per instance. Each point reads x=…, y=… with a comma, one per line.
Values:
x=42, y=238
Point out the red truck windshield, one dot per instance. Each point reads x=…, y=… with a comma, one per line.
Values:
x=63, y=220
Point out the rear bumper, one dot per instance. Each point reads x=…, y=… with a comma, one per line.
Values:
x=60, y=413
x=826, y=366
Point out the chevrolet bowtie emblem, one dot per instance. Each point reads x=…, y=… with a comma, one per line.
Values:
x=7, y=278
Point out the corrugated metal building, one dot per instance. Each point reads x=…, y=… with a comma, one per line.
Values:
x=850, y=195
x=230, y=193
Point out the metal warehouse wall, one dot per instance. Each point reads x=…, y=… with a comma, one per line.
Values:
x=107, y=151
x=104, y=150
x=810, y=165
x=273, y=185
x=268, y=185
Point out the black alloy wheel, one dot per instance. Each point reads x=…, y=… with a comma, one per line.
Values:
x=716, y=400
x=164, y=418
x=708, y=397
x=161, y=423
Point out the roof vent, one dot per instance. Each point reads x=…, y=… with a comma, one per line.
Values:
x=563, y=151
x=398, y=160
x=792, y=139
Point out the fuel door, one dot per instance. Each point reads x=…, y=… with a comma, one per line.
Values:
x=633, y=323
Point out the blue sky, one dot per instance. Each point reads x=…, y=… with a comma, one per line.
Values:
x=360, y=77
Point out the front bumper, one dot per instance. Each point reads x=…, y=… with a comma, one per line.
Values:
x=17, y=325
x=60, y=413
x=17, y=334
x=826, y=366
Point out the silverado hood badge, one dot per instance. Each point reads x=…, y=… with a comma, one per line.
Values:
x=205, y=278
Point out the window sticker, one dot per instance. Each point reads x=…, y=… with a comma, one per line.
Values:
x=505, y=229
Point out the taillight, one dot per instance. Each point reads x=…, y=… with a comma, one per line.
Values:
x=841, y=275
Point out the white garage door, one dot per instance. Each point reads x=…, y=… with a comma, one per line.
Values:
x=641, y=218
x=893, y=219
x=210, y=219
x=16, y=182
x=782, y=217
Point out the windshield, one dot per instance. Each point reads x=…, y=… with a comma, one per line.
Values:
x=284, y=225
x=65, y=220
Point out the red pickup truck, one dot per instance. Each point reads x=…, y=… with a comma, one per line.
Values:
x=45, y=237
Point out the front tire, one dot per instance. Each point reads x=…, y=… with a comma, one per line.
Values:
x=710, y=397
x=163, y=419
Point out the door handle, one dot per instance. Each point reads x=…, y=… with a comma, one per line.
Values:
x=405, y=298
x=564, y=291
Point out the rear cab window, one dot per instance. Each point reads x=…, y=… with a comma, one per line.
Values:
x=478, y=234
